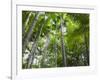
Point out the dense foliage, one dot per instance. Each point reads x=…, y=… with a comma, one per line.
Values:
x=54, y=39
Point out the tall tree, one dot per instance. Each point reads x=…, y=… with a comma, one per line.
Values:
x=62, y=44
x=35, y=43
x=25, y=42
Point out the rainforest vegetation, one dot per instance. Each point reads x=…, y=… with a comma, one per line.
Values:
x=54, y=39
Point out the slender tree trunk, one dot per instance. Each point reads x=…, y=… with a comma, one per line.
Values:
x=55, y=53
x=25, y=24
x=25, y=42
x=45, y=50
x=55, y=48
x=34, y=46
x=32, y=55
x=62, y=44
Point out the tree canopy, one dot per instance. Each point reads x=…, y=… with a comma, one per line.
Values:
x=54, y=39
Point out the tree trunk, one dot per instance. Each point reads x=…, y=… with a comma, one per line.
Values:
x=25, y=42
x=55, y=48
x=55, y=53
x=25, y=24
x=45, y=50
x=62, y=45
x=34, y=45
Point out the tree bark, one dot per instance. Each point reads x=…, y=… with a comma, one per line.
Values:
x=62, y=45
x=55, y=47
x=34, y=46
x=30, y=31
x=25, y=24
x=45, y=50
x=55, y=53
